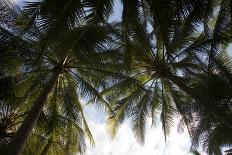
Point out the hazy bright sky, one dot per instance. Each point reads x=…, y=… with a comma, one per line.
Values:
x=125, y=143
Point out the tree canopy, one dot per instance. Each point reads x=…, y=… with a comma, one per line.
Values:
x=162, y=58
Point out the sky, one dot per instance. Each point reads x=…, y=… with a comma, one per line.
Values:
x=125, y=143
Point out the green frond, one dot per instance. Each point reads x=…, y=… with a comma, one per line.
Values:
x=89, y=92
x=99, y=11
x=139, y=114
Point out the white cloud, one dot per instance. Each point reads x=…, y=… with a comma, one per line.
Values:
x=126, y=144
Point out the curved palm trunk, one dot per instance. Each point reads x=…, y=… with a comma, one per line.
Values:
x=17, y=144
x=46, y=148
x=179, y=82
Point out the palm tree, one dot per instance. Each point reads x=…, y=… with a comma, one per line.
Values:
x=155, y=81
x=62, y=126
x=159, y=45
x=48, y=136
x=206, y=129
x=213, y=127
x=166, y=55
x=10, y=113
x=71, y=58
x=63, y=66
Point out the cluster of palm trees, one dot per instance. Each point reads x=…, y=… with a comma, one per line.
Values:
x=162, y=58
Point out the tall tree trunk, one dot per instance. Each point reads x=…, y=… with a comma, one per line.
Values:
x=46, y=148
x=17, y=144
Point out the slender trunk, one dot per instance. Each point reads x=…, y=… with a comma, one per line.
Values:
x=179, y=82
x=17, y=144
x=46, y=148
